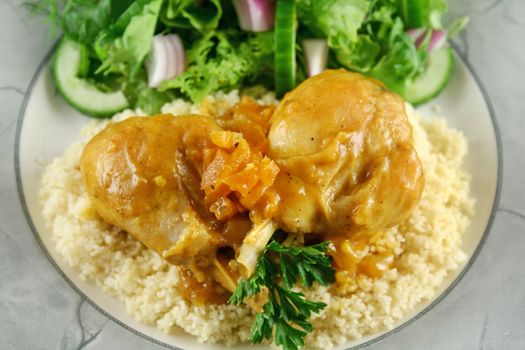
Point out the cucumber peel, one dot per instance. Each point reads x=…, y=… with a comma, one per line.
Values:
x=432, y=81
x=285, y=35
x=70, y=63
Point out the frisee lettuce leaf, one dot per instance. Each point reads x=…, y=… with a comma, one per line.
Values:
x=223, y=60
x=188, y=14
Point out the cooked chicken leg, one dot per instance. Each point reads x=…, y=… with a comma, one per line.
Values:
x=343, y=144
x=143, y=175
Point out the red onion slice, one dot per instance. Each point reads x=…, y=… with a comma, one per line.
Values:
x=438, y=39
x=181, y=58
x=172, y=64
x=416, y=33
x=167, y=59
x=157, y=64
x=255, y=15
x=419, y=41
x=316, y=54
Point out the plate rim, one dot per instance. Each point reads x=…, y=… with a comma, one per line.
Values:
x=495, y=205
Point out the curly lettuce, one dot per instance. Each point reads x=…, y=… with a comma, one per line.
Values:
x=189, y=14
x=224, y=60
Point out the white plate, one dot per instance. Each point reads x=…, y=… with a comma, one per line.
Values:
x=47, y=125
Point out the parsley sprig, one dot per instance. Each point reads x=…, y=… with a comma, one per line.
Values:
x=285, y=315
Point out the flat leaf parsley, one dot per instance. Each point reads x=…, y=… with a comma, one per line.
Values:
x=285, y=314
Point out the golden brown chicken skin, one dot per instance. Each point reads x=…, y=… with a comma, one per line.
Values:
x=343, y=144
x=335, y=160
x=143, y=175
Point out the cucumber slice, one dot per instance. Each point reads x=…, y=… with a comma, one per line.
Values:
x=70, y=61
x=285, y=34
x=433, y=80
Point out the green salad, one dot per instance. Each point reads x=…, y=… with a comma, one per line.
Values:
x=117, y=54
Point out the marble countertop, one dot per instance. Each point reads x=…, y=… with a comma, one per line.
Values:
x=486, y=310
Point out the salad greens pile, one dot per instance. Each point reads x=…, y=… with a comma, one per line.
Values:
x=367, y=36
x=118, y=37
